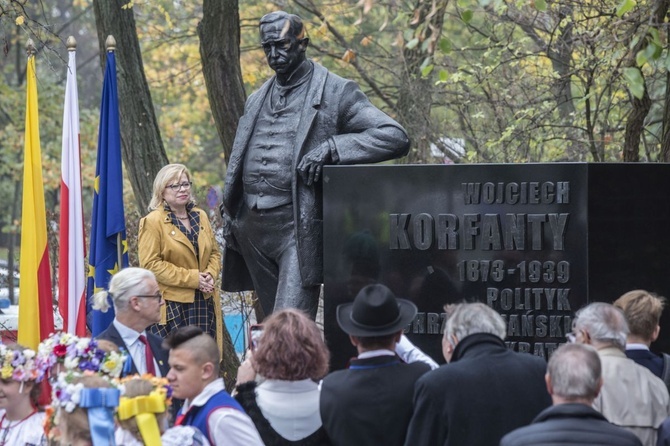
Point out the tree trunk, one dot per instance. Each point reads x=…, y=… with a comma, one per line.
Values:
x=219, y=33
x=415, y=91
x=664, y=156
x=142, y=147
x=634, y=127
x=641, y=107
x=143, y=151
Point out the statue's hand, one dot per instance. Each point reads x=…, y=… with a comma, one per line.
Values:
x=312, y=163
x=227, y=231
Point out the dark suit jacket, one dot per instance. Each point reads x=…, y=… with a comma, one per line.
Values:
x=485, y=392
x=335, y=110
x=370, y=405
x=155, y=342
x=570, y=424
x=647, y=359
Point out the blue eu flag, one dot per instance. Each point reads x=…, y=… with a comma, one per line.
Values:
x=109, y=247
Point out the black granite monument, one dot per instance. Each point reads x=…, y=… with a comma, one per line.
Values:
x=534, y=241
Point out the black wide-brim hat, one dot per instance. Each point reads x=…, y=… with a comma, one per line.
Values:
x=375, y=312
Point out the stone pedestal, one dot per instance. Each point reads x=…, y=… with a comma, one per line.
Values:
x=534, y=241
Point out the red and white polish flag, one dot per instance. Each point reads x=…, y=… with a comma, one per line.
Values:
x=72, y=269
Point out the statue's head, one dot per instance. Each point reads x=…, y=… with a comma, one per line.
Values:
x=284, y=41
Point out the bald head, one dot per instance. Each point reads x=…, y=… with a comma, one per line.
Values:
x=574, y=374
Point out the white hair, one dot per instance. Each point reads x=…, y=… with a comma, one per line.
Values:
x=470, y=318
x=604, y=323
x=575, y=371
x=125, y=284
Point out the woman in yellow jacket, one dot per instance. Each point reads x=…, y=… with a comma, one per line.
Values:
x=177, y=244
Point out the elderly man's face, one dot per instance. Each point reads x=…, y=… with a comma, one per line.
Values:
x=283, y=51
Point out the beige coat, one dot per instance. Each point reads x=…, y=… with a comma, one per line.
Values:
x=167, y=252
x=631, y=397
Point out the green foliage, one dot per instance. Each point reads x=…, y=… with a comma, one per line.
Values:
x=467, y=15
x=635, y=81
x=624, y=7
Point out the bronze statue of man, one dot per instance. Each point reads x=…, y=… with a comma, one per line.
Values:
x=301, y=119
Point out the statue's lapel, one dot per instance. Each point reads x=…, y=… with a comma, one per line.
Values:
x=312, y=103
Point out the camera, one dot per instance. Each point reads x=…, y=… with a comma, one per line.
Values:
x=255, y=332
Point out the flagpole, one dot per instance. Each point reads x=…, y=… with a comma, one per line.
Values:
x=72, y=246
x=110, y=45
x=108, y=250
x=119, y=250
x=35, y=299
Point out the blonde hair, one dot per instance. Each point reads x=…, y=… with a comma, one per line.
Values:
x=140, y=387
x=642, y=310
x=74, y=425
x=165, y=176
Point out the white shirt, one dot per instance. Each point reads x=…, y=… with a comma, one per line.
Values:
x=291, y=407
x=135, y=347
x=411, y=353
x=29, y=432
x=227, y=426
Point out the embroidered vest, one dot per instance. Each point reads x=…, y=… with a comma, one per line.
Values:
x=197, y=416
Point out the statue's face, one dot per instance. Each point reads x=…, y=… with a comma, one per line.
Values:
x=283, y=51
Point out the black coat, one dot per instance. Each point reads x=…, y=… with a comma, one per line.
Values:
x=485, y=392
x=246, y=396
x=370, y=405
x=155, y=342
x=573, y=424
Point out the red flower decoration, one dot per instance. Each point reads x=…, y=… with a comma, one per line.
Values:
x=60, y=350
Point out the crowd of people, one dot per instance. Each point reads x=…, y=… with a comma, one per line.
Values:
x=130, y=387
x=153, y=377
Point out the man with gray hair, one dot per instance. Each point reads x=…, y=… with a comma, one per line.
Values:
x=631, y=397
x=137, y=305
x=485, y=390
x=574, y=379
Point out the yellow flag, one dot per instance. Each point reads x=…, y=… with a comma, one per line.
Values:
x=35, y=297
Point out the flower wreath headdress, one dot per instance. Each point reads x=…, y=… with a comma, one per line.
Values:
x=145, y=407
x=100, y=403
x=20, y=364
x=80, y=354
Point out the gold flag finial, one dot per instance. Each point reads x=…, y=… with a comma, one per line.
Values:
x=110, y=43
x=30, y=47
x=71, y=43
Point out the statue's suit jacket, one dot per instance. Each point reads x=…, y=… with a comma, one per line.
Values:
x=335, y=111
x=155, y=342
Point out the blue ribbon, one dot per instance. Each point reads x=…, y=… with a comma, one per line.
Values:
x=100, y=404
x=128, y=364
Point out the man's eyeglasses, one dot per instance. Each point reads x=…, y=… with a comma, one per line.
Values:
x=186, y=185
x=158, y=296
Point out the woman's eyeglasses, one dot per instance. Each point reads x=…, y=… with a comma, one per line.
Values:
x=186, y=185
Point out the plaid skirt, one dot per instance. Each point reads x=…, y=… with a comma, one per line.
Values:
x=200, y=313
